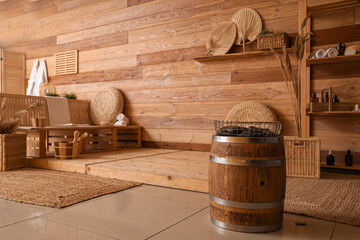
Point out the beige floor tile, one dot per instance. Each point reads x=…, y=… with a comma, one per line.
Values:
x=33, y=210
x=346, y=232
x=184, y=196
x=199, y=227
x=125, y=215
x=8, y=216
x=44, y=229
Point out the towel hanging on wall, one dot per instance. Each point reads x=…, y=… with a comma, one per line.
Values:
x=41, y=76
x=32, y=79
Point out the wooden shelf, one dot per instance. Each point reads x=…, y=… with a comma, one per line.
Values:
x=335, y=113
x=238, y=55
x=335, y=6
x=337, y=59
x=354, y=167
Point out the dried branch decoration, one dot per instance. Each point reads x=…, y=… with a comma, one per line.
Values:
x=9, y=126
x=293, y=80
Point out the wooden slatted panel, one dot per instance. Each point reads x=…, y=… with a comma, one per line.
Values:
x=79, y=111
x=13, y=72
x=66, y=62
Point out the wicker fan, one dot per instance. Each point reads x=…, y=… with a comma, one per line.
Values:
x=106, y=105
x=251, y=111
x=221, y=38
x=248, y=24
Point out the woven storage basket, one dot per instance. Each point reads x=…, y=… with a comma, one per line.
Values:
x=12, y=151
x=106, y=105
x=251, y=111
x=274, y=40
x=302, y=157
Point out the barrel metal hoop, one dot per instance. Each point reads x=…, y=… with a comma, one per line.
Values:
x=246, y=205
x=250, y=229
x=247, y=163
x=224, y=139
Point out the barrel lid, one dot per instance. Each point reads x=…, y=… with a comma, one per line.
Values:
x=225, y=139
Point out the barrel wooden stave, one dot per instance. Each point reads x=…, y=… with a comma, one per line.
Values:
x=255, y=202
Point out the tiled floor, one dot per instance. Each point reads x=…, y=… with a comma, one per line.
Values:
x=146, y=212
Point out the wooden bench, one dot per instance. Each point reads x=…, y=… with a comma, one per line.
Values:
x=39, y=140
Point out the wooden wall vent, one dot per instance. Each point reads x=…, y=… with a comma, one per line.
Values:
x=66, y=62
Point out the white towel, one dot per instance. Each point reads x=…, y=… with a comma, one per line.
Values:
x=58, y=109
x=332, y=52
x=351, y=52
x=320, y=53
x=122, y=120
x=32, y=79
x=41, y=76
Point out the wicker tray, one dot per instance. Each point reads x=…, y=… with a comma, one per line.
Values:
x=248, y=129
x=302, y=157
x=274, y=40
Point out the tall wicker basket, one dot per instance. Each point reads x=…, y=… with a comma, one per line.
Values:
x=302, y=157
x=12, y=151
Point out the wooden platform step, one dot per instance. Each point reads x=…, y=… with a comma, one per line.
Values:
x=170, y=168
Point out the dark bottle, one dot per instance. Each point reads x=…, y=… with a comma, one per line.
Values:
x=335, y=99
x=341, y=49
x=327, y=97
x=348, y=158
x=314, y=99
x=330, y=159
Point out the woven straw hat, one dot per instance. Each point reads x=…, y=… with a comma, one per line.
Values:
x=248, y=23
x=106, y=105
x=251, y=111
x=221, y=38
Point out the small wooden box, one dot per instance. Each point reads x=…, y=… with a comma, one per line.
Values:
x=12, y=151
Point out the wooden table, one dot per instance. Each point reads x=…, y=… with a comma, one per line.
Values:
x=42, y=133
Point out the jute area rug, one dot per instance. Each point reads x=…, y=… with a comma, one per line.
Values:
x=56, y=189
x=334, y=197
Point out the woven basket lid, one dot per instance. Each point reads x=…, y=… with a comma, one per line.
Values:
x=251, y=111
x=45, y=88
x=248, y=23
x=106, y=105
x=221, y=38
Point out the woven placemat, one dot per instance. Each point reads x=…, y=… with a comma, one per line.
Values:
x=56, y=189
x=106, y=105
x=333, y=197
x=251, y=111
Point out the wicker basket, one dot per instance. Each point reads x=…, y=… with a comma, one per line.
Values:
x=12, y=151
x=302, y=157
x=274, y=40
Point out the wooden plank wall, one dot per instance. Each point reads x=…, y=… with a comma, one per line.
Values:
x=146, y=48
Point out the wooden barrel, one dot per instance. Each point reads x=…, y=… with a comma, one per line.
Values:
x=66, y=150
x=247, y=183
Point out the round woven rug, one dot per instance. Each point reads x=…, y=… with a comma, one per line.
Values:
x=334, y=197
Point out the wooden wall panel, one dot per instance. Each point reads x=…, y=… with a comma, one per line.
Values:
x=146, y=49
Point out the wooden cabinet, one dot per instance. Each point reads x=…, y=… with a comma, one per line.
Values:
x=12, y=72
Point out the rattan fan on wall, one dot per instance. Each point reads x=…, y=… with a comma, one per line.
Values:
x=249, y=25
x=221, y=38
x=251, y=111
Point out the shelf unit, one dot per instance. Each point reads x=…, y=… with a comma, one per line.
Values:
x=237, y=55
x=338, y=166
x=307, y=63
